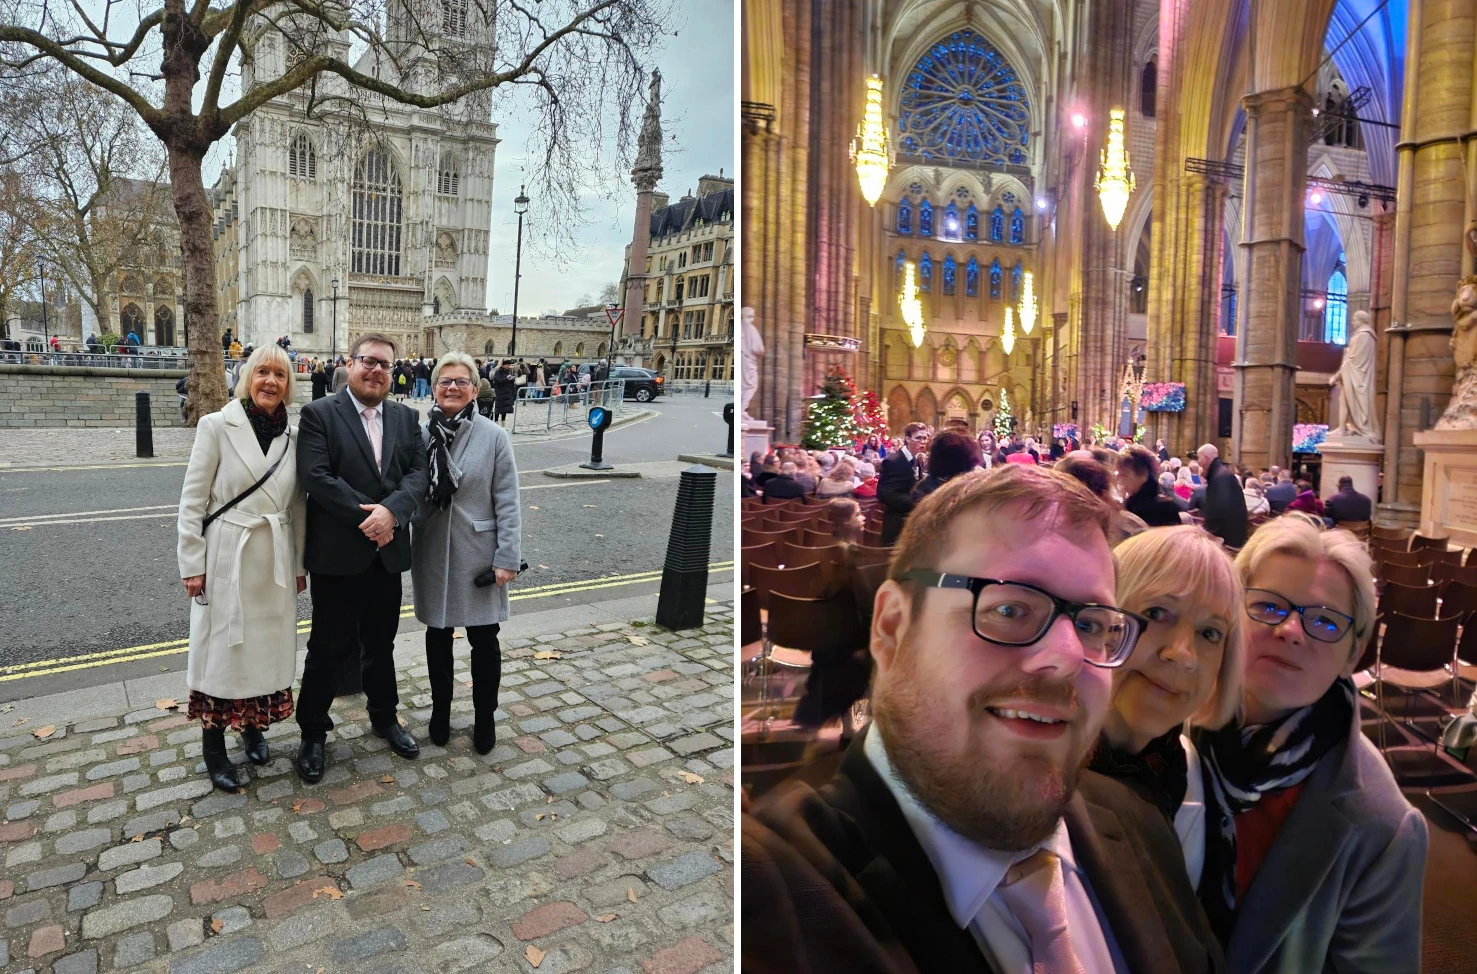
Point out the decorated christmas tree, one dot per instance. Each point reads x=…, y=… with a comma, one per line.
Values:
x=829, y=420
x=1003, y=419
x=868, y=415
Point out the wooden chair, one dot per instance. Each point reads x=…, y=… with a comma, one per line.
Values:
x=1400, y=536
x=760, y=537
x=1452, y=556
x=1465, y=574
x=750, y=628
x=1418, y=541
x=771, y=555
x=1413, y=575
x=1416, y=654
x=870, y=555
x=1459, y=599
x=832, y=556
x=802, y=627
x=808, y=581
x=814, y=538
x=1410, y=558
x=1408, y=600
x=1359, y=529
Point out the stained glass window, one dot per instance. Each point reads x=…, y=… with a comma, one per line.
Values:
x=1015, y=283
x=1017, y=227
x=377, y=216
x=963, y=102
x=925, y=219
x=950, y=268
x=902, y=259
x=1007, y=197
x=972, y=278
x=972, y=223
x=997, y=225
x=951, y=222
x=905, y=216
x=995, y=279
x=925, y=272
x=1336, y=310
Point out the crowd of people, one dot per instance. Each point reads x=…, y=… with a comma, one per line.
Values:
x=344, y=503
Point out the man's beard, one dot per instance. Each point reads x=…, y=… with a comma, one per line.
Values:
x=370, y=395
x=1006, y=808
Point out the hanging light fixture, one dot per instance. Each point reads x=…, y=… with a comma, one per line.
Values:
x=1114, y=178
x=869, y=150
x=912, y=307
x=1028, y=303
x=1007, y=337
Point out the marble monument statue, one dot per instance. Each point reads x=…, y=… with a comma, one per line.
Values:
x=753, y=351
x=1356, y=377
x=1461, y=412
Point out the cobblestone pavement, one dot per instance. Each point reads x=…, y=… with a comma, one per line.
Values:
x=597, y=836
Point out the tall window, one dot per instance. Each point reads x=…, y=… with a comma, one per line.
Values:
x=972, y=223
x=902, y=259
x=447, y=177
x=454, y=18
x=997, y=225
x=951, y=222
x=925, y=272
x=1149, y=87
x=1336, y=310
x=963, y=101
x=972, y=278
x=905, y=216
x=1015, y=283
x=950, y=268
x=377, y=215
x=995, y=279
x=301, y=160
x=1017, y=227
x=925, y=219
x=308, y=311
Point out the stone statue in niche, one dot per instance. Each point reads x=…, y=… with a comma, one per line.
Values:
x=753, y=349
x=1356, y=379
x=1461, y=412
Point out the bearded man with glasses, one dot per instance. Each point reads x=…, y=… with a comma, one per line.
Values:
x=360, y=459
x=961, y=832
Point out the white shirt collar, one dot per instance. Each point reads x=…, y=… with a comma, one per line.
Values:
x=907, y=453
x=359, y=407
x=968, y=872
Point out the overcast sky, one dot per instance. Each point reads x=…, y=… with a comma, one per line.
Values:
x=698, y=111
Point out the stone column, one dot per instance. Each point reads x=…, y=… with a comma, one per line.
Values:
x=1278, y=123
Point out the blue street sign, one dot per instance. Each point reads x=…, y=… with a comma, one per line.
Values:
x=597, y=417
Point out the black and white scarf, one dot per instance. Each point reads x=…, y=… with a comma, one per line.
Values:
x=1243, y=763
x=443, y=430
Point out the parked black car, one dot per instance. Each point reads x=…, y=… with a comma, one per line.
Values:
x=642, y=385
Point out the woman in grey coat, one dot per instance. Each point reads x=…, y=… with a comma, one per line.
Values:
x=467, y=525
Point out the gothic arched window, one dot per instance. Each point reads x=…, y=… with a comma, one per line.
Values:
x=378, y=211
x=1149, y=87
x=951, y=222
x=963, y=101
x=1017, y=227
x=447, y=176
x=905, y=216
x=1015, y=283
x=995, y=279
x=1336, y=310
x=925, y=219
x=950, y=268
x=902, y=259
x=308, y=311
x=454, y=18
x=997, y=225
x=972, y=278
x=972, y=223
x=301, y=160
x=925, y=272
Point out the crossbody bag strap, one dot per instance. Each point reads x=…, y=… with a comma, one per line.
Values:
x=247, y=492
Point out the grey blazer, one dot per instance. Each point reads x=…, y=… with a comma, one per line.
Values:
x=1340, y=889
x=481, y=529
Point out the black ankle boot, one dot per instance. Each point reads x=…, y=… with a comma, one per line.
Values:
x=217, y=765
x=440, y=725
x=255, y=745
x=484, y=734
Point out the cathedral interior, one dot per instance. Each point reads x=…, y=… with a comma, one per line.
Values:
x=1111, y=208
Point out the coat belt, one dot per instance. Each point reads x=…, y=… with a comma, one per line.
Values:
x=281, y=563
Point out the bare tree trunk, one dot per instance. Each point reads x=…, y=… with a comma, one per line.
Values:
x=207, y=382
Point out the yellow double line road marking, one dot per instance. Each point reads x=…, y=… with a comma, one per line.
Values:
x=174, y=647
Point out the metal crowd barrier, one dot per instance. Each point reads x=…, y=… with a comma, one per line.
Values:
x=698, y=387
x=537, y=410
x=144, y=357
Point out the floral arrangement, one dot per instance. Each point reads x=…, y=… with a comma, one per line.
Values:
x=1307, y=436
x=1140, y=432
x=1163, y=397
x=1099, y=432
x=1063, y=430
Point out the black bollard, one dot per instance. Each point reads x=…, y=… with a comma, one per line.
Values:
x=599, y=419
x=707, y=388
x=685, y=575
x=728, y=418
x=143, y=418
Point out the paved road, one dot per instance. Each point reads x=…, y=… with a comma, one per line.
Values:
x=87, y=556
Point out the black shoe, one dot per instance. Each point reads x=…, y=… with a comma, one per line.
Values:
x=217, y=765
x=400, y=742
x=484, y=736
x=440, y=726
x=254, y=745
x=310, y=761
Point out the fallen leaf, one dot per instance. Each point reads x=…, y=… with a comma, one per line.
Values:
x=605, y=917
x=469, y=684
x=402, y=722
x=138, y=838
x=553, y=816
x=386, y=778
x=457, y=635
x=638, y=640
x=42, y=733
x=690, y=778
x=332, y=892
x=534, y=955
x=216, y=925
x=539, y=817
x=297, y=806
x=21, y=720
x=412, y=884
x=468, y=861
x=599, y=535
x=631, y=894
x=7, y=708
x=543, y=566
x=25, y=528
x=168, y=703
x=424, y=907
x=547, y=654
x=532, y=507
x=549, y=800
x=589, y=505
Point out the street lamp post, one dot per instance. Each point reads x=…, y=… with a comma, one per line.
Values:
x=333, y=355
x=520, y=207
x=45, y=325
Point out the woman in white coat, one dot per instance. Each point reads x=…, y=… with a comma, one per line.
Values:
x=244, y=570
x=1186, y=670
x=466, y=543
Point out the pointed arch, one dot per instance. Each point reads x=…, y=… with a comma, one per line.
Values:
x=1017, y=227
x=951, y=229
x=972, y=223
x=448, y=174
x=925, y=272
x=997, y=224
x=905, y=216
x=950, y=270
x=972, y=277
x=1016, y=273
x=302, y=158
x=899, y=410
x=925, y=219
x=926, y=407
x=995, y=279
x=377, y=214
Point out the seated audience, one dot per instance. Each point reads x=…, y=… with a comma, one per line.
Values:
x=784, y=486
x=1256, y=502
x=1282, y=492
x=1348, y=505
x=1183, y=485
x=950, y=455
x=844, y=521
x=1306, y=500
x=1139, y=480
x=840, y=482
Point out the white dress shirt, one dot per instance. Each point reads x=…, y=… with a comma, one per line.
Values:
x=379, y=415
x=969, y=874
x=1189, y=821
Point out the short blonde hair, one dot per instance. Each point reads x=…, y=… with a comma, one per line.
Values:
x=269, y=354
x=1304, y=537
x=455, y=358
x=1189, y=562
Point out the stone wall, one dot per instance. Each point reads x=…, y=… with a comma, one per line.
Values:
x=47, y=395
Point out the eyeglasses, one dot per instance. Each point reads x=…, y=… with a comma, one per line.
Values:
x=453, y=383
x=1017, y=614
x=1319, y=621
x=374, y=364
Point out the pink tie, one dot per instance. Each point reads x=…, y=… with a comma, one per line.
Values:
x=1036, y=895
x=371, y=424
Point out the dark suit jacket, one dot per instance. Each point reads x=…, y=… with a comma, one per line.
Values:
x=1349, y=505
x=782, y=488
x=1280, y=494
x=1224, y=505
x=336, y=466
x=834, y=880
x=895, y=483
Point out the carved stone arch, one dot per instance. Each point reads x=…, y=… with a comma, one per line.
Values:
x=1137, y=221
x=1002, y=183
x=302, y=240
x=163, y=285
x=130, y=285
x=957, y=405
x=131, y=318
x=489, y=349
x=302, y=155
x=444, y=296
x=972, y=181
x=899, y=410
x=305, y=294
x=926, y=407
x=969, y=362
x=446, y=249
x=163, y=325
x=558, y=349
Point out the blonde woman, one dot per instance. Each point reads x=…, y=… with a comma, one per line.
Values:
x=1185, y=670
x=242, y=519
x=840, y=482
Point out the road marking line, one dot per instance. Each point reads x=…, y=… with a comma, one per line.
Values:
x=577, y=483
x=119, y=510
x=89, y=520
x=98, y=466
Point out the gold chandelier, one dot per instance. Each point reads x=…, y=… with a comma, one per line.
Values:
x=1028, y=303
x=1114, y=178
x=1007, y=337
x=912, y=307
x=869, y=150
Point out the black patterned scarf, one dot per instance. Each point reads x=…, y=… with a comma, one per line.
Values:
x=1243, y=763
x=1159, y=771
x=267, y=426
x=443, y=430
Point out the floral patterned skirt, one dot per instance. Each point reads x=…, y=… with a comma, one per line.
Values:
x=218, y=713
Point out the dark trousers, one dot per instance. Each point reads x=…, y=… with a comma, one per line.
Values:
x=354, y=616
x=487, y=666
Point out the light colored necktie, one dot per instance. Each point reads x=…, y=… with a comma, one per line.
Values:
x=1036, y=894
x=371, y=424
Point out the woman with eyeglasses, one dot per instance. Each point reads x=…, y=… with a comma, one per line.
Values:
x=466, y=539
x=242, y=518
x=1313, y=858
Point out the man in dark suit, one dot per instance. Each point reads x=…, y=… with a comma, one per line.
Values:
x=1224, y=505
x=1282, y=493
x=900, y=473
x=960, y=832
x=362, y=464
x=1348, y=504
x=784, y=486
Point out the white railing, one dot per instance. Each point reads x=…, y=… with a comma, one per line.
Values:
x=537, y=410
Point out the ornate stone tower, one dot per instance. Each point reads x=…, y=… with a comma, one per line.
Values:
x=646, y=174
